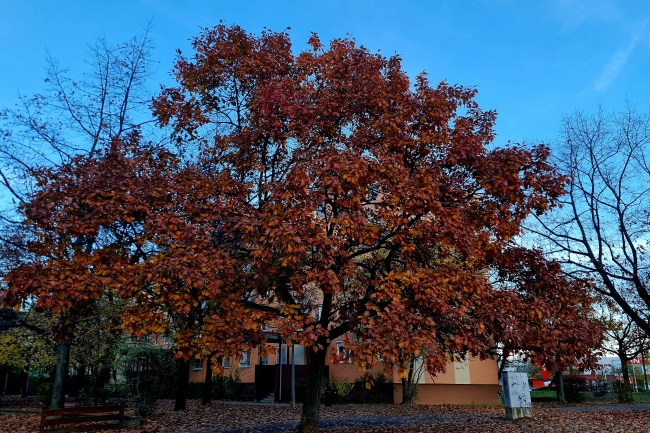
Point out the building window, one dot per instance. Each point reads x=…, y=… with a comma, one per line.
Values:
x=317, y=312
x=298, y=354
x=166, y=340
x=265, y=360
x=343, y=354
x=198, y=364
x=226, y=363
x=245, y=360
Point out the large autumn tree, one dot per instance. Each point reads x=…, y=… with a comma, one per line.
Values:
x=353, y=189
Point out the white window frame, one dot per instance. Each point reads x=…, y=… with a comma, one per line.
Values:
x=340, y=350
x=245, y=360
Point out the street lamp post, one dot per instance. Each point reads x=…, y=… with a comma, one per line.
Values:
x=645, y=376
x=280, y=388
x=293, y=376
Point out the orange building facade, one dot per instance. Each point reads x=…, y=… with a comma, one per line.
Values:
x=470, y=382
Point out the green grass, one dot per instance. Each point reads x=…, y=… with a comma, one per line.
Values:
x=542, y=394
x=638, y=396
x=641, y=396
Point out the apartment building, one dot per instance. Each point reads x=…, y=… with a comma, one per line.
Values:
x=470, y=382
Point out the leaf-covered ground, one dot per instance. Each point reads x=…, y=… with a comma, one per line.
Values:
x=245, y=418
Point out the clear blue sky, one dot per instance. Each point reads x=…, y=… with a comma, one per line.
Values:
x=533, y=61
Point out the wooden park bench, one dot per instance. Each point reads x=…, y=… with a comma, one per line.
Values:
x=79, y=419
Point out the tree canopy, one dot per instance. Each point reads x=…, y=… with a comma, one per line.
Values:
x=380, y=199
x=319, y=181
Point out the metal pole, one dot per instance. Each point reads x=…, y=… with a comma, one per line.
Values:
x=645, y=376
x=4, y=392
x=293, y=375
x=280, y=387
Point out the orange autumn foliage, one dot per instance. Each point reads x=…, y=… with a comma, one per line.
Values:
x=133, y=223
x=323, y=178
x=379, y=198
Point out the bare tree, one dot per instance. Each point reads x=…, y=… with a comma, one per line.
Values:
x=601, y=230
x=627, y=341
x=73, y=116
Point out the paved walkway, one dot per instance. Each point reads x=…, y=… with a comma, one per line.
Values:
x=348, y=423
x=379, y=421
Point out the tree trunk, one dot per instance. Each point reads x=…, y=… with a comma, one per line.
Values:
x=79, y=380
x=625, y=396
x=104, y=376
x=406, y=391
x=183, y=382
x=560, y=388
x=407, y=384
x=626, y=373
x=624, y=389
x=24, y=382
x=60, y=375
x=502, y=365
x=207, y=385
x=311, y=404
